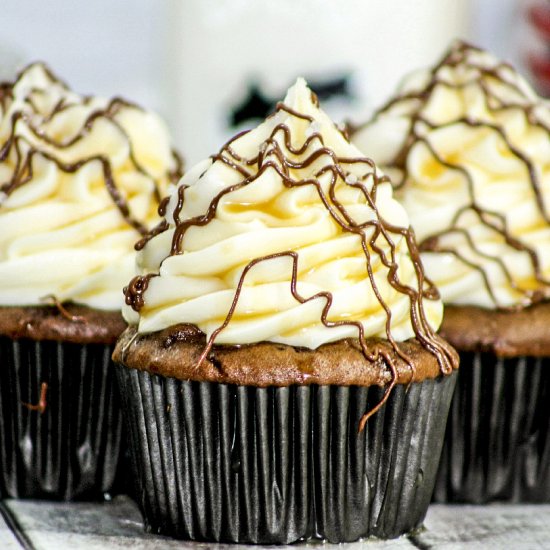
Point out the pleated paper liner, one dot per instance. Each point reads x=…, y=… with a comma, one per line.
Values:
x=71, y=450
x=497, y=444
x=276, y=465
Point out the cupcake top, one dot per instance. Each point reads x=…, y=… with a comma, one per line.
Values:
x=287, y=235
x=80, y=179
x=467, y=145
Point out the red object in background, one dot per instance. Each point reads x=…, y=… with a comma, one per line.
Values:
x=539, y=63
x=539, y=16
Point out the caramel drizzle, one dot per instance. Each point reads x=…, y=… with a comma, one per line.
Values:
x=54, y=300
x=23, y=170
x=40, y=407
x=272, y=157
x=459, y=56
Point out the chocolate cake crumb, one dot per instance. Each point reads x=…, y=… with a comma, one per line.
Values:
x=270, y=364
x=82, y=325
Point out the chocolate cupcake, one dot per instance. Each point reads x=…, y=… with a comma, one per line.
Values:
x=467, y=144
x=80, y=180
x=281, y=376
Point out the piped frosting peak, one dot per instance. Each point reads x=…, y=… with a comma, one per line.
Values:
x=467, y=145
x=288, y=234
x=80, y=178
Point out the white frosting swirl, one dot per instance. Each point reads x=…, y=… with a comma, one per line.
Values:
x=468, y=146
x=276, y=206
x=61, y=232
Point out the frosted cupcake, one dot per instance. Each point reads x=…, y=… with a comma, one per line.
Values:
x=80, y=180
x=281, y=304
x=467, y=144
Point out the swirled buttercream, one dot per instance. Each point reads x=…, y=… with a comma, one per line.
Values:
x=468, y=147
x=287, y=235
x=80, y=179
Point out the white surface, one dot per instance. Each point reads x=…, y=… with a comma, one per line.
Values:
x=117, y=524
x=525, y=527
x=8, y=541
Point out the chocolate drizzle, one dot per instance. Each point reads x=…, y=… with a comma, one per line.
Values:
x=278, y=154
x=133, y=293
x=18, y=148
x=465, y=57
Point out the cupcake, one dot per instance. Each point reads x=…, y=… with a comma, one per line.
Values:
x=281, y=377
x=80, y=180
x=467, y=144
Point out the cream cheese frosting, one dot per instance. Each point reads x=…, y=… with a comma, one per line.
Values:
x=467, y=145
x=287, y=235
x=80, y=179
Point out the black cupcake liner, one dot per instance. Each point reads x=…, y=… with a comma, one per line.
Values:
x=276, y=465
x=71, y=450
x=497, y=443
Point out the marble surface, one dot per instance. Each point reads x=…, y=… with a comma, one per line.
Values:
x=117, y=524
x=8, y=539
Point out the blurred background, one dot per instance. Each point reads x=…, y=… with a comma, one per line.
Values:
x=213, y=67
